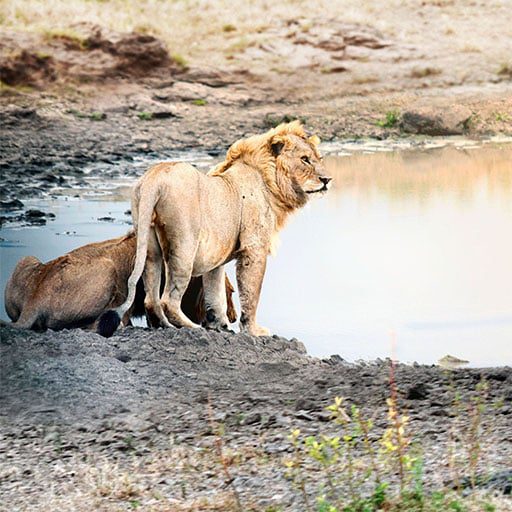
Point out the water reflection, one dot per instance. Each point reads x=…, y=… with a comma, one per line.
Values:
x=417, y=242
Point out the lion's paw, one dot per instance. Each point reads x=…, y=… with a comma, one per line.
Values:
x=259, y=331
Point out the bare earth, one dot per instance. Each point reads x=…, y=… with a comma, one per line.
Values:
x=138, y=417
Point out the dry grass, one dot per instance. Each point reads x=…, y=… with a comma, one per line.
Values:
x=424, y=72
x=216, y=33
x=188, y=27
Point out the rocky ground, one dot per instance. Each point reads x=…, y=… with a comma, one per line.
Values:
x=88, y=422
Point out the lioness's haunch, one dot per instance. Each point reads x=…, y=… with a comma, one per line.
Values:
x=75, y=289
x=196, y=223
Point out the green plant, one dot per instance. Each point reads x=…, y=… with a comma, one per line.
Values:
x=225, y=461
x=502, y=117
x=365, y=473
x=179, y=60
x=94, y=116
x=391, y=119
x=200, y=102
x=145, y=116
x=98, y=116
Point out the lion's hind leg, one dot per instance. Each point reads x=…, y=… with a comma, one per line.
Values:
x=215, y=301
x=155, y=315
x=178, y=272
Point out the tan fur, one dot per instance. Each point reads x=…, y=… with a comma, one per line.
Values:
x=200, y=222
x=75, y=289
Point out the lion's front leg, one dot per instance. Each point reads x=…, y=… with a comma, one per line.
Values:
x=250, y=269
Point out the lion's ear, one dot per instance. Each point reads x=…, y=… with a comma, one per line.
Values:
x=276, y=147
x=314, y=140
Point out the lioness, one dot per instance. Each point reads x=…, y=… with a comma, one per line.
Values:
x=73, y=290
x=199, y=222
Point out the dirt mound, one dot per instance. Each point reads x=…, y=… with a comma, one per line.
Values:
x=85, y=53
x=77, y=374
x=27, y=68
x=135, y=53
x=317, y=45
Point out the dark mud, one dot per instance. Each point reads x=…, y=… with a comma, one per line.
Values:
x=74, y=395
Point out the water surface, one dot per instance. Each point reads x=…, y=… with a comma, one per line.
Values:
x=413, y=246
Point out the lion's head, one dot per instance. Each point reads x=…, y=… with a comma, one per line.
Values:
x=288, y=160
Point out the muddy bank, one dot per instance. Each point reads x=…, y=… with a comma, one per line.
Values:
x=76, y=408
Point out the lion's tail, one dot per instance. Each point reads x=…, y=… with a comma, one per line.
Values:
x=109, y=321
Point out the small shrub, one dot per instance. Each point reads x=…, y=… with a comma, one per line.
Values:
x=93, y=116
x=145, y=116
x=200, y=102
x=424, y=72
x=391, y=119
x=98, y=116
x=505, y=70
x=179, y=60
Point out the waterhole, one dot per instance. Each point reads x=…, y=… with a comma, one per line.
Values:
x=409, y=255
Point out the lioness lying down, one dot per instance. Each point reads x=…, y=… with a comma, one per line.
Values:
x=75, y=289
x=198, y=222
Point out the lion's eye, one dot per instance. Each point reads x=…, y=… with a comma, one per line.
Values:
x=306, y=160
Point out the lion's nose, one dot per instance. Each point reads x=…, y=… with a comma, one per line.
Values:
x=325, y=179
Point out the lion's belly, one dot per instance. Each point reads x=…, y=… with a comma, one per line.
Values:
x=213, y=251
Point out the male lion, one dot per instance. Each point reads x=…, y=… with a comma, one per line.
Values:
x=75, y=289
x=199, y=222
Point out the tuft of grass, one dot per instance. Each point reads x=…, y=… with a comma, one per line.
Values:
x=200, y=102
x=502, y=117
x=424, y=72
x=14, y=89
x=43, y=55
x=364, y=79
x=273, y=120
x=239, y=46
x=179, y=60
x=505, y=69
x=228, y=27
x=93, y=116
x=391, y=119
x=73, y=38
x=98, y=116
x=145, y=116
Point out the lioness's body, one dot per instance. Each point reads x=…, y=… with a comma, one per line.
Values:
x=75, y=289
x=72, y=290
x=198, y=222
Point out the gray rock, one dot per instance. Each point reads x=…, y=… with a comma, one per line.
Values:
x=417, y=391
x=430, y=121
